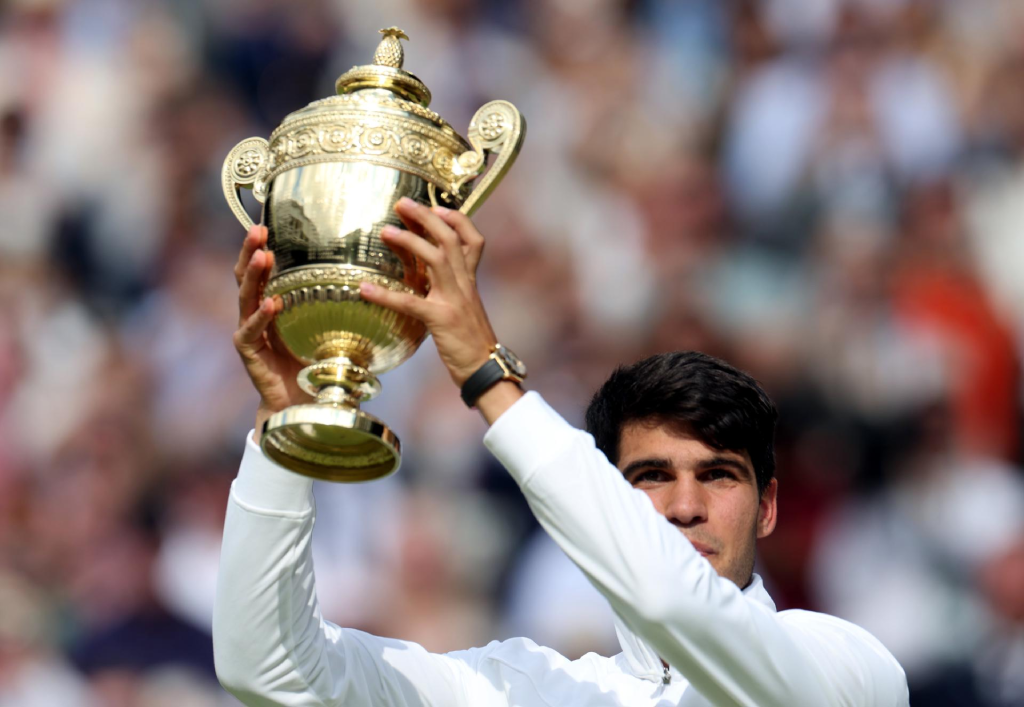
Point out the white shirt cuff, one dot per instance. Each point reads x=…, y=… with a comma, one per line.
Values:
x=528, y=435
x=266, y=486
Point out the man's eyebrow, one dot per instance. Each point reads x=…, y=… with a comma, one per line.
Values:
x=651, y=463
x=720, y=461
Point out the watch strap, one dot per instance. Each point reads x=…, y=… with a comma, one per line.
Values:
x=477, y=384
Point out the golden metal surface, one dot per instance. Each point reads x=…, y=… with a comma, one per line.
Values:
x=246, y=166
x=384, y=101
x=498, y=128
x=331, y=442
x=328, y=180
x=389, y=51
x=354, y=380
x=386, y=71
x=344, y=133
x=325, y=222
x=397, y=80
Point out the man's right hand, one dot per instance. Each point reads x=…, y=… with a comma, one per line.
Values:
x=272, y=369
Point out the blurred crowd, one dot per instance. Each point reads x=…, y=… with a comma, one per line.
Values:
x=826, y=193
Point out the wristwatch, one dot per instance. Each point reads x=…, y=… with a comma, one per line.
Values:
x=502, y=365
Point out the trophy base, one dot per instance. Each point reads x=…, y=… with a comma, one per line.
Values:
x=332, y=443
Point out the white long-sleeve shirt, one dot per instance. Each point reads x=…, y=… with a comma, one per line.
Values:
x=724, y=646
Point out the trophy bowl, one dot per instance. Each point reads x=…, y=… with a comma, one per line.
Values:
x=328, y=180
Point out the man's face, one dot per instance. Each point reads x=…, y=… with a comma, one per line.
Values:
x=710, y=495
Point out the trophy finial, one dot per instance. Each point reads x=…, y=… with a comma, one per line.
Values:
x=389, y=51
x=386, y=71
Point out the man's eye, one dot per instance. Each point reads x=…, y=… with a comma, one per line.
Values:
x=716, y=474
x=651, y=476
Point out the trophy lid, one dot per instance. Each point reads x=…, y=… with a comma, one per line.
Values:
x=386, y=71
x=380, y=115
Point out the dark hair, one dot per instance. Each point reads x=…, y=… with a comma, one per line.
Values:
x=721, y=406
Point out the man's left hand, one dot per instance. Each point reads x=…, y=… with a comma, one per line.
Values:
x=450, y=246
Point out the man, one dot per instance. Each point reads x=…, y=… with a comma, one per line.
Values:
x=667, y=536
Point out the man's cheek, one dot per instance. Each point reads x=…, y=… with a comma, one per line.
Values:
x=656, y=500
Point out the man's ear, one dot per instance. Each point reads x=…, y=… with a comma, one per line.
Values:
x=767, y=511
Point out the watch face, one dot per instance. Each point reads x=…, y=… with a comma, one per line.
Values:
x=512, y=361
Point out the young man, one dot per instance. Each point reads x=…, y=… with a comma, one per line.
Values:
x=660, y=507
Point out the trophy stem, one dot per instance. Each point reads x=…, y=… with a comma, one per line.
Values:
x=337, y=395
x=331, y=438
x=339, y=381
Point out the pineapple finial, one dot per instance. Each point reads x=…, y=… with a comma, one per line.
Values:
x=389, y=51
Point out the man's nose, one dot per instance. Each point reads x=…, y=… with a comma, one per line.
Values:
x=688, y=505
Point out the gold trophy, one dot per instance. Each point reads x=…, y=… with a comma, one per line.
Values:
x=328, y=180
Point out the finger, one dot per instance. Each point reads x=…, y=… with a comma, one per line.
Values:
x=419, y=219
x=249, y=289
x=413, y=244
x=255, y=238
x=401, y=302
x=273, y=335
x=409, y=261
x=439, y=268
x=249, y=336
x=472, y=240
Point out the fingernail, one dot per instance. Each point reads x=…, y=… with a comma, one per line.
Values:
x=440, y=210
x=389, y=230
x=367, y=288
x=268, y=305
x=406, y=201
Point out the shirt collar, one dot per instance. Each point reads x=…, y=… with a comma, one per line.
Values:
x=642, y=661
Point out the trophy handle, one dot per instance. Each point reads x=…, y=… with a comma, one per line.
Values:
x=498, y=128
x=246, y=167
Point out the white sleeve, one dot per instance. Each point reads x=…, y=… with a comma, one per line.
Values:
x=732, y=649
x=271, y=644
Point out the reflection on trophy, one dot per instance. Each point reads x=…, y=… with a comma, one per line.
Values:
x=328, y=180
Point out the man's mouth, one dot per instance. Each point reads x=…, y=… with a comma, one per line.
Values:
x=703, y=549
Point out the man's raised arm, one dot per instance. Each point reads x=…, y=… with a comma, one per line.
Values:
x=271, y=644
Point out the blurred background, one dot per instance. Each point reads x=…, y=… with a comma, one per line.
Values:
x=827, y=193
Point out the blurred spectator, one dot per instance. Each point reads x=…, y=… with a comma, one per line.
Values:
x=32, y=672
x=929, y=564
